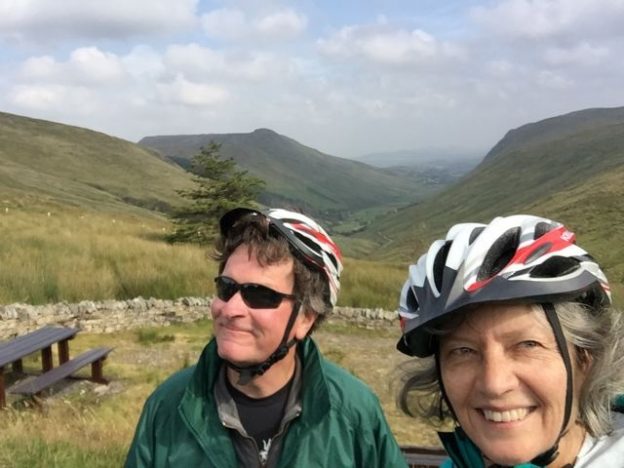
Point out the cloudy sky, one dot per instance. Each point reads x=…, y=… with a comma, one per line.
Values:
x=346, y=77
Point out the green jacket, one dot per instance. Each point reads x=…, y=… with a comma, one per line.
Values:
x=464, y=453
x=341, y=424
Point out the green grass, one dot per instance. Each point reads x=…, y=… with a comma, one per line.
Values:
x=80, y=167
x=152, y=335
x=75, y=254
x=36, y=452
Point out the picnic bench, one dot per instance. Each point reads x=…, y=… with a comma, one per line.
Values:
x=423, y=457
x=13, y=351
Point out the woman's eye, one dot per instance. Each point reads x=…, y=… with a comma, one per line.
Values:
x=461, y=351
x=529, y=344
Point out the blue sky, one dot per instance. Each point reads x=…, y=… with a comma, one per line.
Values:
x=346, y=77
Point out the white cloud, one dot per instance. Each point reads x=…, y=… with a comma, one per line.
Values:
x=433, y=78
x=86, y=65
x=552, y=80
x=200, y=63
x=95, y=65
x=384, y=45
x=115, y=19
x=500, y=68
x=225, y=23
x=53, y=97
x=582, y=54
x=194, y=59
x=187, y=93
x=143, y=63
x=533, y=19
x=282, y=24
x=233, y=24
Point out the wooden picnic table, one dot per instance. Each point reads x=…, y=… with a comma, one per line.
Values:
x=423, y=457
x=12, y=352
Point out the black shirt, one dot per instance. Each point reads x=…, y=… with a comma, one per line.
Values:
x=261, y=417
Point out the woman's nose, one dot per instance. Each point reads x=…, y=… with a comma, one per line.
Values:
x=496, y=376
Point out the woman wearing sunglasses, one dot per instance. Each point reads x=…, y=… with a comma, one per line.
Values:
x=261, y=395
x=519, y=347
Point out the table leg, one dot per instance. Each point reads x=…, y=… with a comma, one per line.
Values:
x=63, y=351
x=17, y=366
x=46, y=359
x=97, y=374
x=2, y=395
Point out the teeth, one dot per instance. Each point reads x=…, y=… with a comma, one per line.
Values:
x=506, y=416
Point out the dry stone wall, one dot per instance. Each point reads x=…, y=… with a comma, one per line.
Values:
x=111, y=316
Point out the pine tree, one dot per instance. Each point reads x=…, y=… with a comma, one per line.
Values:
x=219, y=187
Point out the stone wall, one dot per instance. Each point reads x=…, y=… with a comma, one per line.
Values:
x=110, y=316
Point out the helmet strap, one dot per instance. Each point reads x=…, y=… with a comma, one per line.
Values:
x=442, y=388
x=549, y=455
x=247, y=373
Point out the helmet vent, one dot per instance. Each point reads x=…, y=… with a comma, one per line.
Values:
x=555, y=267
x=501, y=251
x=475, y=233
x=412, y=302
x=542, y=228
x=308, y=242
x=438, y=264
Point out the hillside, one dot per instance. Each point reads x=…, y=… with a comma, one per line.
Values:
x=299, y=176
x=570, y=169
x=556, y=128
x=46, y=161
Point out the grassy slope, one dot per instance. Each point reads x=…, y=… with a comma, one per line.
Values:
x=572, y=177
x=298, y=175
x=80, y=167
x=556, y=128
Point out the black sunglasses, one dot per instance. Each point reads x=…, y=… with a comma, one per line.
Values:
x=254, y=295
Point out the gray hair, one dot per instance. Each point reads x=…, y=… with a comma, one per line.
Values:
x=597, y=337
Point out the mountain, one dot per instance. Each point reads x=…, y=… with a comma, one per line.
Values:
x=441, y=158
x=50, y=161
x=298, y=176
x=570, y=168
x=556, y=128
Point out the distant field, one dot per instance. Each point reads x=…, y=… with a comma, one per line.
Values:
x=52, y=254
x=86, y=424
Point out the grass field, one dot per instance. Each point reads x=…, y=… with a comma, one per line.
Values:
x=53, y=254
x=85, y=424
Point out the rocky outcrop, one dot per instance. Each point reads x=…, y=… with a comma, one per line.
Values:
x=111, y=316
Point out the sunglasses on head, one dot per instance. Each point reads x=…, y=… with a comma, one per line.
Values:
x=254, y=295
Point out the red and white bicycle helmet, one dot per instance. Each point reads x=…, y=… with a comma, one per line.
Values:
x=307, y=239
x=516, y=258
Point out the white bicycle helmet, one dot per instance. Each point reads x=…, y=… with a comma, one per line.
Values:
x=516, y=258
x=307, y=239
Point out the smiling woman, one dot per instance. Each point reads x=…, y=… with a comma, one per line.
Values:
x=523, y=350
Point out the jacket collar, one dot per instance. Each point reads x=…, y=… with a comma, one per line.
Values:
x=463, y=451
x=198, y=407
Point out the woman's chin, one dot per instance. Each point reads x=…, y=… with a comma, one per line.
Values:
x=505, y=458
